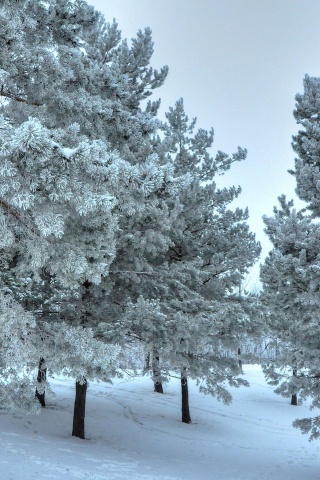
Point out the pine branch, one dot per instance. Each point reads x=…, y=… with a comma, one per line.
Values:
x=17, y=98
x=132, y=271
x=16, y=214
x=215, y=275
x=9, y=209
x=173, y=376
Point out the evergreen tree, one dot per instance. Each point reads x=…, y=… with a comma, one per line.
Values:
x=212, y=248
x=120, y=232
x=69, y=65
x=186, y=256
x=71, y=91
x=290, y=273
x=286, y=275
x=193, y=278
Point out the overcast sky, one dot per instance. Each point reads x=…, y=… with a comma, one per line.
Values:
x=238, y=65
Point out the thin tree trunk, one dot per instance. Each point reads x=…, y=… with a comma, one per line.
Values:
x=42, y=370
x=185, y=397
x=41, y=378
x=156, y=372
x=239, y=360
x=146, y=362
x=79, y=409
x=294, y=397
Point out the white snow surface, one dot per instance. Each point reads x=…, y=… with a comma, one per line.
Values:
x=134, y=433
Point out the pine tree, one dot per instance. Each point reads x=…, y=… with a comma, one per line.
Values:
x=290, y=273
x=213, y=247
x=122, y=231
x=70, y=66
x=68, y=101
x=286, y=276
x=206, y=253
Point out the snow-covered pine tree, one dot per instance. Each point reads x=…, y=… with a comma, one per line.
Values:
x=57, y=211
x=70, y=65
x=61, y=182
x=207, y=253
x=212, y=249
x=291, y=272
x=286, y=281
x=84, y=86
x=41, y=166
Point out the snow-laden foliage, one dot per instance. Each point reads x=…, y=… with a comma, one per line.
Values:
x=20, y=347
x=72, y=351
x=48, y=198
x=70, y=65
x=306, y=144
x=113, y=233
x=210, y=253
x=291, y=279
x=291, y=272
x=75, y=155
x=174, y=292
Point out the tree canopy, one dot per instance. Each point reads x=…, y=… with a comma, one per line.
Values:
x=113, y=230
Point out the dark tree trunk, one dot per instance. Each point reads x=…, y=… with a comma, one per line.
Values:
x=158, y=387
x=185, y=398
x=156, y=372
x=294, y=397
x=147, y=363
x=42, y=371
x=41, y=378
x=79, y=409
x=239, y=360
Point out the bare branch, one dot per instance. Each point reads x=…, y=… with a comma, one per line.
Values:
x=9, y=209
x=15, y=97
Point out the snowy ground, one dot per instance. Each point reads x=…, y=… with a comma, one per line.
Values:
x=134, y=433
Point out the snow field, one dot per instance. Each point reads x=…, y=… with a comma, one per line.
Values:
x=135, y=433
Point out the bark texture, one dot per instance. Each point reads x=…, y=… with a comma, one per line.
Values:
x=147, y=365
x=239, y=360
x=41, y=378
x=156, y=372
x=294, y=397
x=79, y=409
x=185, y=398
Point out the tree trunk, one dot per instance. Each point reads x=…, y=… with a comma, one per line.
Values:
x=45, y=307
x=239, y=360
x=79, y=409
x=146, y=363
x=156, y=372
x=294, y=397
x=185, y=398
x=41, y=378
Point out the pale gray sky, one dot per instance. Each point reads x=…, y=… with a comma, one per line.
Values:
x=238, y=65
